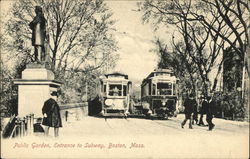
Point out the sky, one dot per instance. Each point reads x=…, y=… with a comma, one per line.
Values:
x=134, y=41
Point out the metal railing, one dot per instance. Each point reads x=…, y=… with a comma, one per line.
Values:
x=22, y=126
x=19, y=127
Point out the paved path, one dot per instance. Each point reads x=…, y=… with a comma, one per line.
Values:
x=141, y=126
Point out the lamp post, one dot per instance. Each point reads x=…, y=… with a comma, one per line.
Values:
x=86, y=90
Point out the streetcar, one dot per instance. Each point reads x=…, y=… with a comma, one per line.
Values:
x=115, y=94
x=159, y=94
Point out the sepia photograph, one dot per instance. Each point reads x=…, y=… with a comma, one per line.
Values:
x=124, y=79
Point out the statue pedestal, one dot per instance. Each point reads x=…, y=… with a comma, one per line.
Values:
x=34, y=89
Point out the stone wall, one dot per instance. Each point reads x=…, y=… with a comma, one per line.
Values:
x=73, y=112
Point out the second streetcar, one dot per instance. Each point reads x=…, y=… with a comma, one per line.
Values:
x=159, y=94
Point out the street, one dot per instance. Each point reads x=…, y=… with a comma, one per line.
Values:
x=95, y=137
x=140, y=126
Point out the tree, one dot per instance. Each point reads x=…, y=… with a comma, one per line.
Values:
x=199, y=47
x=233, y=15
x=172, y=60
x=207, y=29
x=8, y=93
x=79, y=33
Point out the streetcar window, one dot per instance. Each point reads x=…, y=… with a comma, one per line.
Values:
x=124, y=90
x=164, y=88
x=115, y=90
x=153, y=89
x=174, y=89
x=104, y=88
x=149, y=88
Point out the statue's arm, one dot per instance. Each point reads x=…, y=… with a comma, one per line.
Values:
x=31, y=25
x=35, y=21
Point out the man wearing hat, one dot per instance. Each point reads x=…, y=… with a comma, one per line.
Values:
x=210, y=113
x=190, y=105
x=51, y=114
x=203, y=110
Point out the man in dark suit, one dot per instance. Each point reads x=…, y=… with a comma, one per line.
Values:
x=203, y=111
x=51, y=114
x=189, y=105
x=195, y=114
x=210, y=113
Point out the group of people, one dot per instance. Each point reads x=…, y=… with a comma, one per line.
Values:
x=191, y=113
x=52, y=118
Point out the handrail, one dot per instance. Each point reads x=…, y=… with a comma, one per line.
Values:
x=7, y=129
x=14, y=131
x=12, y=118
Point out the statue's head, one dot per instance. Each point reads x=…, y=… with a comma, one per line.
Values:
x=38, y=9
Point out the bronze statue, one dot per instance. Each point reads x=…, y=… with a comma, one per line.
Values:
x=38, y=26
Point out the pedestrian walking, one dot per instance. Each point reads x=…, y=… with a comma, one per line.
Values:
x=51, y=113
x=210, y=113
x=189, y=105
x=195, y=114
x=203, y=111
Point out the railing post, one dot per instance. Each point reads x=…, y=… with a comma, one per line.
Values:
x=28, y=124
x=86, y=108
x=66, y=115
x=32, y=123
x=18, y=130
x=23, y=127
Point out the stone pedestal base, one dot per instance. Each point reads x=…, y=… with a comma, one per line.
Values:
x=42, y=74
x=34, y=89
x=37, y=71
